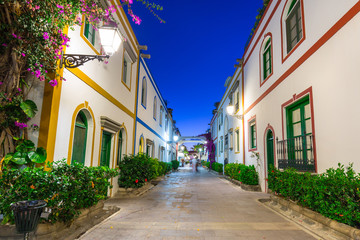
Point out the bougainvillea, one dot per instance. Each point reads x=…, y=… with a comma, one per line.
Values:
x=32, y=40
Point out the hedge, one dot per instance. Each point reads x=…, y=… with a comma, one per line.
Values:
x=218, y=167
x=244, y=174
x=175, y=164
x=65, y=188
x=335, y=193
x=136, y=170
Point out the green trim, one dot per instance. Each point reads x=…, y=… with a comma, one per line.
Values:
x=120, y=145
x=89, y=32
x=253, y=135
x=81, y=124
x=299, y=105
x=292, y=4
x=270, y=149
x=105, y=149
x=267, y=59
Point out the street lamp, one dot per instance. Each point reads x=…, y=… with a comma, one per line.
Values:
x=110, y=39
x=230, y=109
x=176, y=137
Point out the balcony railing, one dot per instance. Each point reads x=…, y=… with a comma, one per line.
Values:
x=297, y=152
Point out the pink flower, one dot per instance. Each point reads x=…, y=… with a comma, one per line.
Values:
x=59, y=6
x=37, y=7
x=23, y=54
x=19, y=89
x=37, y=73
x=1, y=83
x=45, y=35
x=14, y=35
x=20, y=125
x=41, y=78
x=4, y=45
x=136, y=181
x=53, y=82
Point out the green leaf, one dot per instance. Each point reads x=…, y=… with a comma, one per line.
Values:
x=39, y=156
x=29, y=108
x=29, y=144
x=19, y=158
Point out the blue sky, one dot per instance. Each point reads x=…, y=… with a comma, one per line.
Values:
x=194, y=52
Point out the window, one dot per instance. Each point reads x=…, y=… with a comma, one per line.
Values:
x=126, y=71
x=252, y=134
x=237, y=141
x=143, y=92
x=80, y=137
x=237, y=100
x=120, y=147
x=155, y=108
x=266, y=59
x=299, y=132
x=161, y=115
x=141, y=145
x=105, y=149
x=89, y=32
x=293, y=22
x=166, y=122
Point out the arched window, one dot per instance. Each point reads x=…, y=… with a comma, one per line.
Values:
x=80, y=137
x=161, y=115
x=141, y=145
x=155, y=108
x=143, y=92
x=266, y=58
x=120, y=147
x=293, y=20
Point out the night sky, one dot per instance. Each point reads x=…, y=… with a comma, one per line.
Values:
x=194, y=52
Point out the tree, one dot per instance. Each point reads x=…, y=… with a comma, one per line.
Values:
x=33, y=37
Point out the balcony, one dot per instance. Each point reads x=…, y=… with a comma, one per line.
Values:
x=297, y=152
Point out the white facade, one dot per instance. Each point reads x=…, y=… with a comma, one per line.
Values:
x=310, y=86
x=155, y=127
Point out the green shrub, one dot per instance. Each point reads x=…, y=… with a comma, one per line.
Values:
x=335, y=193
x=218, y=167
x=244, y=174
x=136, y=170
x=175, y=164
x=66, y=188
x=208, y=164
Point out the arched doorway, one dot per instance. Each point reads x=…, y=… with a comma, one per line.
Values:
x=270, y=149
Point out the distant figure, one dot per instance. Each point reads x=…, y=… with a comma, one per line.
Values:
x=182, y=162
x=194, y=165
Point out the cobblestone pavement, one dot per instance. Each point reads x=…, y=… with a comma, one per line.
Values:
x=200, y=205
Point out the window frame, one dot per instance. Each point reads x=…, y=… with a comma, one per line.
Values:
x=126, y=75
x=88, y=29
x=252, y=144
x=287, y=10
x=144, y=92
x=155, y=108
x=83, y=117
x=237, y=140
x=108, y=160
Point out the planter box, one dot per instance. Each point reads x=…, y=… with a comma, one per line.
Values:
x=65, y=231
x=252, y=188
x=341, y=228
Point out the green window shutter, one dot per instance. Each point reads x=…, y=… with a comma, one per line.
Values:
x=267, y=60
x=105, y=149
x=89, y=32
x=120, y=145
x=79, y=141
x=252, y=135
x=293, y=25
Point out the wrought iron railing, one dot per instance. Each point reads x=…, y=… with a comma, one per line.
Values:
x=297, y=152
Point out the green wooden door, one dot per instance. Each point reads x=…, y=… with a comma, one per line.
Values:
x=105, y=149
x=79, y=142
x=270, y=149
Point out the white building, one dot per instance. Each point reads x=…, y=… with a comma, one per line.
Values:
x=297, y=78
x=155, y=128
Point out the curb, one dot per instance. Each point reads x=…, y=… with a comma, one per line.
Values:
x=315, y=221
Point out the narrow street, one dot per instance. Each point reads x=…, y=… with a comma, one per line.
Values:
x=195, y=206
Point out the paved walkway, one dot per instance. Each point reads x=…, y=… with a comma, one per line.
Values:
x=195, y=206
